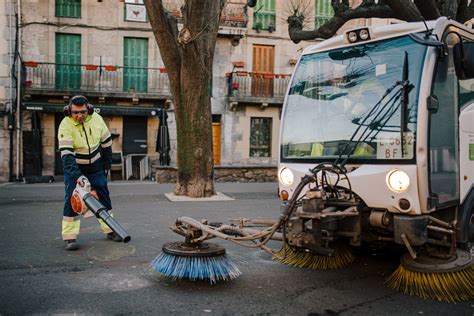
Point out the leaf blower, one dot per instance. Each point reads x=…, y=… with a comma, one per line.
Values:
x=84, y=199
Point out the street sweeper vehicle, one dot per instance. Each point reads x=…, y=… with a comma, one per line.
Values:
x=377, y=149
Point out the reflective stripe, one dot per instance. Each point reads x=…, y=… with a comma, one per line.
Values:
x=103, y=226
x=105, y=136
x=71, y=219
x=88, y=156
x=65, y=143
x=85, y=151
x=81, y=161
x=65, y=152
x=107, y=144
x=70, y=229
x=69, y=236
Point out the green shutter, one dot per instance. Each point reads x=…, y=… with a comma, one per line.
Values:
x=264, y=15
x=135, y=63
x=68, y=61
x=323, y=12
x=68, y=8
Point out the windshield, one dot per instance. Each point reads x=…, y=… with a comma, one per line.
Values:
x=350, y=102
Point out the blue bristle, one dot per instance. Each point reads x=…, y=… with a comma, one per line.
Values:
x=218, y=268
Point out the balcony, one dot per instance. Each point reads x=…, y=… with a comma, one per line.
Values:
x=248, y=87
x=233, y=21
x=51, y=78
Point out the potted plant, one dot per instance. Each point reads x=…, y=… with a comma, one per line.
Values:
x=271, y=27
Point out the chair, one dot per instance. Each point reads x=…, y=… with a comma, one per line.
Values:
x=117, y=163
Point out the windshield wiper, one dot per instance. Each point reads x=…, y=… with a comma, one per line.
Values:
x=379, y=120
x=366, y=117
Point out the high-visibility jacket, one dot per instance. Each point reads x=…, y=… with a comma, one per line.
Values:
x=85, y=148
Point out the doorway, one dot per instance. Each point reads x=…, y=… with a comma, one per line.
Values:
x=135, y=146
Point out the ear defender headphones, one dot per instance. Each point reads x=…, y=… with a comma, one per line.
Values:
x=78, y=100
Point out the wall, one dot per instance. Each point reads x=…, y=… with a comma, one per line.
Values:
x=6, y=88
x=223, y=174
x=106, y=47
x=39, y=34
x=49, y=134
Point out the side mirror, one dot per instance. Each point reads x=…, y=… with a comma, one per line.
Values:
x=463, y=56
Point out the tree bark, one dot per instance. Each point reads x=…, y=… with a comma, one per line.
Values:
x=188, y=56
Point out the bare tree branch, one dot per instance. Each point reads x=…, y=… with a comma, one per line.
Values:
x=447, y=8
x=405, y=10
x=428, y=9
x=341, y=16
x=465, y=11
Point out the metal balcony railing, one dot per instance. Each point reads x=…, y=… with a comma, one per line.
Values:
x=234, y=13
x=259, y=85
x=96, y=78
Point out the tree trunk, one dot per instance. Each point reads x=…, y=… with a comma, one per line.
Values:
x=194, y=126
x=188, y=56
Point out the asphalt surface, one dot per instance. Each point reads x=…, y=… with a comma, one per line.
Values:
x=38, y=277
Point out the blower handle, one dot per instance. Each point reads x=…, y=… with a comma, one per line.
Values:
x=100, y=211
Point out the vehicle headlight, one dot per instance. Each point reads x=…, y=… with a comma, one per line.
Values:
x=398, y=181
x=352, y=36
x=364, y=34
x=286, y=176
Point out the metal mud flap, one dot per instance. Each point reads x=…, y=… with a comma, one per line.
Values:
x=413, y=227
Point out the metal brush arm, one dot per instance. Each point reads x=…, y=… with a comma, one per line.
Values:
x=248, y=235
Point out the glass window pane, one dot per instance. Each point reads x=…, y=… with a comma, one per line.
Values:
x=260, y=136
x=348, y=102
x=444, y=134
x=68, y=8
x=323, y=12
x=264, y=15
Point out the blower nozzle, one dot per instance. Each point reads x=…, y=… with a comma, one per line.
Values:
x=84, y=199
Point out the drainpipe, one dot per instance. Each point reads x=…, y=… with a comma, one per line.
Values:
x=10, y=53
x=11, y=126
x=18, y=90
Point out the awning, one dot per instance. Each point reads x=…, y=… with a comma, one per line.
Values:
x=100, y=108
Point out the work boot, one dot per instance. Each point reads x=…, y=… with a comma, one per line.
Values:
x=113, y=236
x=71, y=244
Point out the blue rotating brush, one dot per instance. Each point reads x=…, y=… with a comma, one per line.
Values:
x=201, y=261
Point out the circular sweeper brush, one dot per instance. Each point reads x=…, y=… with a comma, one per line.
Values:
x=201, y=261
x=438, y=279
x=341, y=258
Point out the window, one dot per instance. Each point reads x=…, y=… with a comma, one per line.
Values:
x=135, y=64
x=444, y=134
x=135, y=11
x=264, y=15
x=260, y=136
x=323, y=12
x=68, y=8
x=68, y=61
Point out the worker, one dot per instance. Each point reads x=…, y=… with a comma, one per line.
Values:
x=85, y=144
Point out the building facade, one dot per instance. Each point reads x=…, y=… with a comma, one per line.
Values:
x=106, y=51
x=8, y=91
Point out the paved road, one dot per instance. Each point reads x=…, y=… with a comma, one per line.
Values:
x=39, y=277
